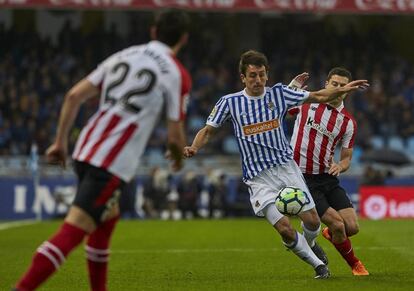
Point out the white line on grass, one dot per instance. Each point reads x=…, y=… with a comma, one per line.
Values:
x=234, y=250
x=15, y=224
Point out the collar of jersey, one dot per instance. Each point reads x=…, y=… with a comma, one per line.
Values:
x=160, y=45
x=340, y=107
x=253, y=97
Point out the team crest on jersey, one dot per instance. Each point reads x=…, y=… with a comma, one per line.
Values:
x=257, y=204
x=271, y=105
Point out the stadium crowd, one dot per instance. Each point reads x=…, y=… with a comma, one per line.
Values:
x=35, y=72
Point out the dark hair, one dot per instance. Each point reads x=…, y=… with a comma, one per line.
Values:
x=252, y=57
x=340, y=71
x=171, y=24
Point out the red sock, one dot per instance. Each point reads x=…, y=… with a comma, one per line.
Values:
x=347, y=252
x=50, y=255
x=97, y=253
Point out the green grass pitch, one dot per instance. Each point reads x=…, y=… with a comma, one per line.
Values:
x=234, y=254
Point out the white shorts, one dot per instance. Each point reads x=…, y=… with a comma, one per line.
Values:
x=264, y=187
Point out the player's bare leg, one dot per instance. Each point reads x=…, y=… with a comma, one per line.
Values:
x=350, y=219
x=311, y=226
x=295, y=241
x=336, y=233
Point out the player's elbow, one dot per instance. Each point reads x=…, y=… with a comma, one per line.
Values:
x=73, y=97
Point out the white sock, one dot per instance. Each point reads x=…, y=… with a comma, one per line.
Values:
x=301, y=248
x=310, y=235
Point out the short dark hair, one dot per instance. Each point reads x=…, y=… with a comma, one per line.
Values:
x=252, y=57
x=171, y=24
x=340, y=71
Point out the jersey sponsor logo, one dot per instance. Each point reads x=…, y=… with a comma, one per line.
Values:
x=311, y=123
x=260, y=127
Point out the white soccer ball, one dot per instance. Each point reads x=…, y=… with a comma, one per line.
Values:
x=291, y=200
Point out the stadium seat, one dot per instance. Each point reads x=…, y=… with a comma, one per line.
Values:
x=377, y=142
x=410, y=144
x=356, y=155
x=396, y=143
x=230, y=145
x=410, y=147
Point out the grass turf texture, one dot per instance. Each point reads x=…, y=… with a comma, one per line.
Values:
x=242, y=254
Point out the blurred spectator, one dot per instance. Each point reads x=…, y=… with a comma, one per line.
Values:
x=218, y=191
x=372, y=176
x=240, y=206
x=189, y=188
x=156, y=190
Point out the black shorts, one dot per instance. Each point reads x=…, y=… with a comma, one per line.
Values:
x=98, y=190
x=327, y=192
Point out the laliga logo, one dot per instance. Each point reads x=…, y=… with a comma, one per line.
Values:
x=375, y=207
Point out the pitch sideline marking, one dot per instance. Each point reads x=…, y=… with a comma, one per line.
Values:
x=14, y=224
x=236, y=250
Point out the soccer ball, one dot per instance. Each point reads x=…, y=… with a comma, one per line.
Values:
x=291, y=200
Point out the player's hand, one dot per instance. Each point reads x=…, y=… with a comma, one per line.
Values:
x=299, y=81
x=334, y=168
x=354, y=85
x=56, y=155
x=189, y=151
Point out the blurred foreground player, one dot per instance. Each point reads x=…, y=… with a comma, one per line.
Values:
x=134, y=85
x=318, y=130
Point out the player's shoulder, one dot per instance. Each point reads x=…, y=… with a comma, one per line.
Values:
x=121, y=54
x=349, y=115
x=238, y=94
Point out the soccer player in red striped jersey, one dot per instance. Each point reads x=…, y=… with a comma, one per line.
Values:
x=134, y=86
x=257, y=114
x=318, y=130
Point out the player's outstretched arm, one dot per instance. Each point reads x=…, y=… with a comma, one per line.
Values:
x=200, y=140
x=83, y=90
x=328, y=94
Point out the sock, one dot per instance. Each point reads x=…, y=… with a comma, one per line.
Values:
x=347, y=252
x=301, y=248
x=97, y=253
x=310, y=235
x=50, y=255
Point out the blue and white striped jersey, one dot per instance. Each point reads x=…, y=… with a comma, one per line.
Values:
x=258, y=125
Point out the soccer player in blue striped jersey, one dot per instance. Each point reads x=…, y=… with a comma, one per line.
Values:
x=257, y=114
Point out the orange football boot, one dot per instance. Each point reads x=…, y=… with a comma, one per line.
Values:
x=359, y=269
x=325, y=234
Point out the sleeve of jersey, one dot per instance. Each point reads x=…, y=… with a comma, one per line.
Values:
x=293, y=96
x=97, y=75
x=349, y=136
x=219, y=114
x=178, y=95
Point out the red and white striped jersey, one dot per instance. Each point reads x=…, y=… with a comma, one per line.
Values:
x=136, y=83
x=318, y=130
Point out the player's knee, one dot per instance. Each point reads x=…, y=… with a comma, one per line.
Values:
x=352, y=229
x=337, y=226
x=311, y=220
